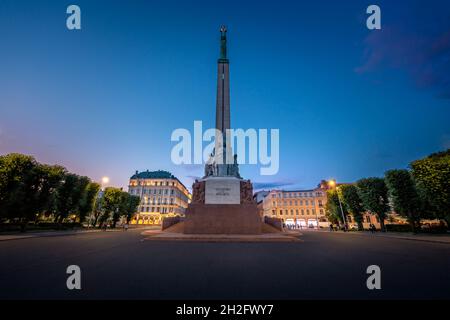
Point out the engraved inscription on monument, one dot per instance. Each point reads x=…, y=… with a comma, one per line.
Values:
x=222, y=191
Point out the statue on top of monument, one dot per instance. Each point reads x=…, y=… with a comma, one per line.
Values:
x=223, y=43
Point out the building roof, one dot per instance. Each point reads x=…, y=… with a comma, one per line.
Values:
x=160, y=174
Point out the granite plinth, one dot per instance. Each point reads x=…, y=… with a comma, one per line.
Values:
x=222, y=219
x=222, y=190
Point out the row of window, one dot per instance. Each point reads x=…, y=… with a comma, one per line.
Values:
x=152, y=183
x=170, y=201
x=156, y=209
x=162, y=192
x=296, y=203
x=153, y=191
x=151, y=218
x=297, y=212
x=297, y=194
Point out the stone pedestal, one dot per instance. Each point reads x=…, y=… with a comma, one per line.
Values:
x=222, y=190
x=222, y=205
x=222, y=219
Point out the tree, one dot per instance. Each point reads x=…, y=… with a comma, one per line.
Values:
x=131, y=205
x=374, y=196
x=78, y=195
x=432, y=176
x=97, y=212
x=333, y=208
x=352, y=202
x=427, y=210
x=29, y=189
x=112, y=204
x=404, y=196
x=51, y=178
x=86, y=204
x=26, y=187
x=68, y=196
x=63, y=199
x=18, y=188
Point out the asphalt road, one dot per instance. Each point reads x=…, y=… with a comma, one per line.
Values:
x=118, y=265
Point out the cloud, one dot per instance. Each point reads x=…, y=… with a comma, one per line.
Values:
x=425, y=57
x=192, y=167
x=270, y=185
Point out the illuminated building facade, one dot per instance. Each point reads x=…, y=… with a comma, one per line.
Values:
x=300, y=208
x=162, y=195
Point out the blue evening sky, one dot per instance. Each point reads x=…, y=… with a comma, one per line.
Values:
x=103, y=101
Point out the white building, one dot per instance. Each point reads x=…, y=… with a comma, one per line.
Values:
x=162, y=195
x=297, y=208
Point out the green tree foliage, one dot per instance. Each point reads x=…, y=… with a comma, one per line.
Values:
x=112, y=205
x=97, y=211
x=131, y=206
x=19, y=176
x=87, y=201
x=69, y=196
x=29, y=190
x=51, y=178
x=332, y=208
x=374, y=196
x=115, y=204
x=404, y=197
x=64, y=200
x=352, y=203
x=27, y=187
x=427, y=210
x=432, y=176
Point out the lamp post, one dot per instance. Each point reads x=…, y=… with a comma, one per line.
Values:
x=333, y=184
x=105, y=181
x=317, y=219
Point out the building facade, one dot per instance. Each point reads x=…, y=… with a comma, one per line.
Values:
x=307, y=209
x=162, y=195
x=300, y=208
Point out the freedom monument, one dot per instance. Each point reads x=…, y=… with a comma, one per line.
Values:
x=222, y=202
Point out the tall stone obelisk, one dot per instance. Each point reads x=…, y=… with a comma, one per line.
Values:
x=223, y=147
x=223, y=163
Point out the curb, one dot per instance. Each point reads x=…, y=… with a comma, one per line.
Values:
x=31, y=236
x=48, y=235
x=395, y=237
x=229, y=240
x=156, y=236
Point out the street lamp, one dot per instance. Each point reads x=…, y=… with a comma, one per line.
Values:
x=105, y=181
x=332, y=183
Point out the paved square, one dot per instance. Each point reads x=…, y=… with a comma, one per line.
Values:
x=119, y=265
